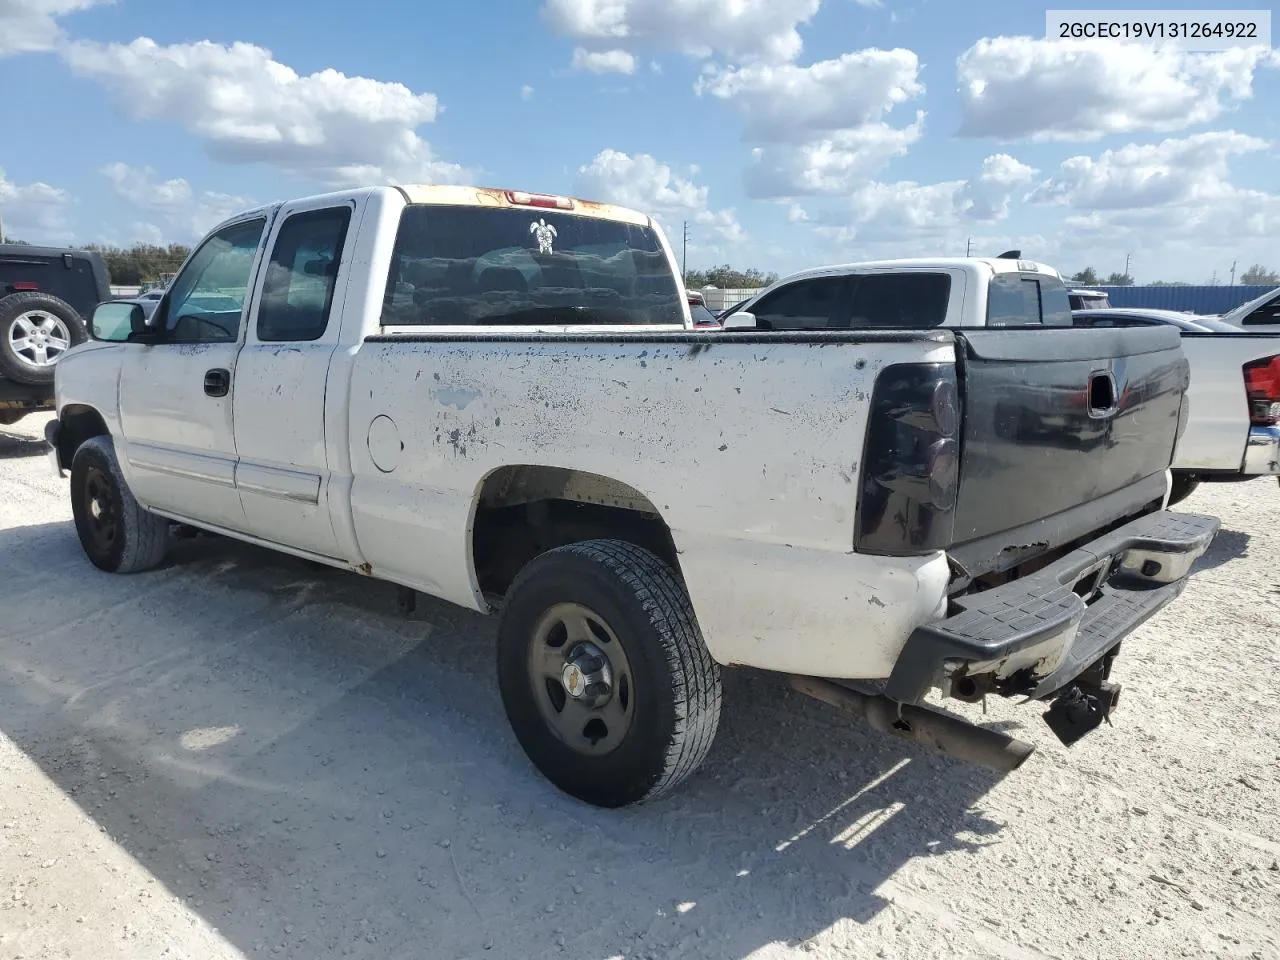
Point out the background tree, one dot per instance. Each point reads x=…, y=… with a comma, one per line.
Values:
x=1086, y=276
x=141, y=263
x=1118, y=280
x=727, y=278
x=1258, y=274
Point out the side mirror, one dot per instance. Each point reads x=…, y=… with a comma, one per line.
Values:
x=116, y=321
x=740, y=321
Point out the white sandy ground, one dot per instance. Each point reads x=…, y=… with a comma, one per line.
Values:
x=240, y=756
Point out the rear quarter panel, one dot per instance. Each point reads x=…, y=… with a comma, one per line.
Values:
x=749, y=446
x=1218, y=424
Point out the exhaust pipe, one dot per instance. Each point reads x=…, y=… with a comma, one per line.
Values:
x=929, y=728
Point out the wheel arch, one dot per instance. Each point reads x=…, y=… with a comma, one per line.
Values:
x=78, y=422
x=519, y=511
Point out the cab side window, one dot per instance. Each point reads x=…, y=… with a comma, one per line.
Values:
x=206, y=302
x=900, y=301
x=812, y=304
x=297, y=294
x=1268, y=313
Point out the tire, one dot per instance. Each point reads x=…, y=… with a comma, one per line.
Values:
x=35, y=330
x=117, y=534
x=1184, y=485
x=664, y=688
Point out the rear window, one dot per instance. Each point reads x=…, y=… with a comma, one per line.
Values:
x=1017, y=301
x=499, y=266
x=1080, y=301
x=900, y=301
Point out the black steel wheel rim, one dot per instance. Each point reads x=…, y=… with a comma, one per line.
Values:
x=101, y=510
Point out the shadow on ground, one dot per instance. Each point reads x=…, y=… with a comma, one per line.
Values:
x=1228, y=545
x=318, y=776
x=13, y=446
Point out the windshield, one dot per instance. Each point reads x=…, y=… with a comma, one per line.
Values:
x=465, y=265
x=701, y=314
x=1236, y=317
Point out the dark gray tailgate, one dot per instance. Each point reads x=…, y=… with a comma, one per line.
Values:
x=1065, y=431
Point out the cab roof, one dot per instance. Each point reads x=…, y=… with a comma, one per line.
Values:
x=994, y=264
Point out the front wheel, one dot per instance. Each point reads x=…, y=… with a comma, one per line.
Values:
x=604, y=675
x=117, y=534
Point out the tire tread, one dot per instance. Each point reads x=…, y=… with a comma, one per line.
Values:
x=146, y=535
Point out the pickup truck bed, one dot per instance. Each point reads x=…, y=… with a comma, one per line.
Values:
x=1234, y=431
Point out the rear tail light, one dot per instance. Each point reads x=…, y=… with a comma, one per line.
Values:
x=25, y=286
x=911, y=463
x=539, y=200
x=1262, y=387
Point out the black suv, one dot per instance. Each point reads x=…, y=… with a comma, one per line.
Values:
x=47, y=295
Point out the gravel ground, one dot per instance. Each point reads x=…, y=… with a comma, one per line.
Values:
x=239, y=756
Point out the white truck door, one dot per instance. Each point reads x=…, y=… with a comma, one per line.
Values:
x=176, y=395
x=283, y=471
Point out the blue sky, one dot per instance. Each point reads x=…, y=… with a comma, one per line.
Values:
x=787, y=132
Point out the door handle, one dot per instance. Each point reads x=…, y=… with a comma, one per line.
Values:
x=217, y=382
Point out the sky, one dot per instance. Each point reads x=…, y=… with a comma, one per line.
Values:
x=785, y=133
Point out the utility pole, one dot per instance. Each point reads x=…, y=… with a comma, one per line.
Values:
x=1127, y=258
x=1233, y=272
x=684, y=253
x=968, y=247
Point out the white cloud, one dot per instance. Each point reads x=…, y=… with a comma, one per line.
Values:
x=832, y=165
x=31, y=26
x=35, y=212
x=1173, y=203
x=786, y=102
x=183, y=214
x=921, y=213
x=1023, y=87
x=743, y=29
x=1174, y=172
x=987, y=197
x=526, y=93
x=644, y=184
x=604, y=61
x=249, y=108
x=821, y=127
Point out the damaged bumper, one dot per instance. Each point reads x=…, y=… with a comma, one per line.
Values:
x=1051, y=635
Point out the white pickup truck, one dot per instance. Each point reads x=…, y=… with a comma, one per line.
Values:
x=1233, y=432
x=498, y=399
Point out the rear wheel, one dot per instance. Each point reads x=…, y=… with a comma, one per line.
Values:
x=1184, y=485
x=36, y=329
x=117, y=534
x=604, y=675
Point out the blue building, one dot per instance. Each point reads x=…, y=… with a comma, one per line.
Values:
x=1205, y=300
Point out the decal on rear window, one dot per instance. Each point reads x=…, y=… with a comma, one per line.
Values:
x=545, y=234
